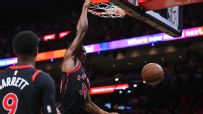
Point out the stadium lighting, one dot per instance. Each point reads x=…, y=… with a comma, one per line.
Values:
x=134, y=85
x=117, y=44
x=107, y=89
x=116, y=79
x=129, y=91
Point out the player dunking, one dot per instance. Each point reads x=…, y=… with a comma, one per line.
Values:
x=24, y=89
x=75, y=84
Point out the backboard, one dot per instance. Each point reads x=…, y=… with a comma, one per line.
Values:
x=146, y=11
x=171, y=24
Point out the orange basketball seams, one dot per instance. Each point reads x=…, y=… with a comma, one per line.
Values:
x=152, y=73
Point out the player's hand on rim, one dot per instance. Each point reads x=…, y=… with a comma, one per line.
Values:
x=86, y=3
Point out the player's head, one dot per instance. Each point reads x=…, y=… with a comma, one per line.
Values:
x=25, y=45
x=82, y=54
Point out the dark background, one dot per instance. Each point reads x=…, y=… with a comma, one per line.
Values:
x=19, y=11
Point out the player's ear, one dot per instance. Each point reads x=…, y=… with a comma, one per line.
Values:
x=14, y=51
x=36, y=52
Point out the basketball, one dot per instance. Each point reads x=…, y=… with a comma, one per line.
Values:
x=152, y=74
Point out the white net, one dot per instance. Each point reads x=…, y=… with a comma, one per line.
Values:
x=106, y=10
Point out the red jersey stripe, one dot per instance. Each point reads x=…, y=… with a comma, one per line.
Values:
x=34, y=76
x=75, y=70
x=21, y=67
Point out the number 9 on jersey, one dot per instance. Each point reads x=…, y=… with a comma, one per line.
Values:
x=10, y=103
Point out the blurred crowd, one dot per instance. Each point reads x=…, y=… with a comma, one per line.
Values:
x=100, y=29
x=181, y=92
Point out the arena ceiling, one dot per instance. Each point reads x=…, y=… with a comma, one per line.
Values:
x=16, y=10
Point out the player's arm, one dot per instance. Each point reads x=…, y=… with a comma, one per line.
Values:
x=82, y=28
x=47, y=91
x=92, y=108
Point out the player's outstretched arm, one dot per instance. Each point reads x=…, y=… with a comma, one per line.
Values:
x=82, y=28
x=92, y=108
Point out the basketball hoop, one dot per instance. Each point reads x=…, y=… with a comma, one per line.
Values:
x=106, y=9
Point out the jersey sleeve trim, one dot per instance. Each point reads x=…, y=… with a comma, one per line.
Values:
x=34, y=76
x=75, y=70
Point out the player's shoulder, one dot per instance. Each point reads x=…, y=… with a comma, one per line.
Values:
x=43, y=80
x=44, y=75
x=6, y=70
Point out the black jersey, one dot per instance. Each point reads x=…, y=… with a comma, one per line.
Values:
x=74, y=88
x=25, y=90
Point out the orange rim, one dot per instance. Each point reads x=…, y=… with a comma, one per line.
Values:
x=99, y=1
x=118, y=13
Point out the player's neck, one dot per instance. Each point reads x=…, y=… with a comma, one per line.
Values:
x=30, y=61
